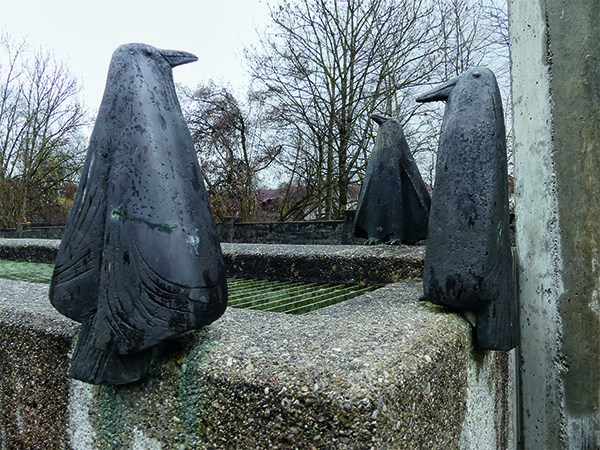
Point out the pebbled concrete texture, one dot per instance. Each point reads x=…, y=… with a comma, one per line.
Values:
x=368, y=265
x=381, y=371
x=29, y=250
x=34, y=344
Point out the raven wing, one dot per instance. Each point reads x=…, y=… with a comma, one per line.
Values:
x=162, y=272
x=76, y=277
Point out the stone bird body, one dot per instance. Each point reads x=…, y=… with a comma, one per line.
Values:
x=468, y=261
x=393, y=206
x=140, y=260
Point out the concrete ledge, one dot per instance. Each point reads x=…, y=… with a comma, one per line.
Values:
x=53, y=232
x=29, y=250
x=380, y=371
x=373, y=265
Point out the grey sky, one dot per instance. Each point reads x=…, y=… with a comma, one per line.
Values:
x=85, y=33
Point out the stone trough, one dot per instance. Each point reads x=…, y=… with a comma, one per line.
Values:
x=277, y=296
x=379, y=371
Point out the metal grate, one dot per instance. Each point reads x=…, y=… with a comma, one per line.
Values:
x=288, y=297
x=277, y=296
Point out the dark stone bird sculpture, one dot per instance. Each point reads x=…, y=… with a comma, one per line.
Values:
x=140, y=260
x=393, y=206
x=468, y=258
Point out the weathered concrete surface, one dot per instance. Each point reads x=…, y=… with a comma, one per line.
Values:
x=29, y=250
x=34, y=344
x=322, y=232
x=33, y=232
x=381, y=371
x=372, y=265
x=555, y=51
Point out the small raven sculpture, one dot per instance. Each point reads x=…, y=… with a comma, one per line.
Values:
x=393, y=206
x=140, y=260
x=468, y=259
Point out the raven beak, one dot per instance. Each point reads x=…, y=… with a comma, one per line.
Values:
x=380, y=120
x=440, y=93
x=176, y=58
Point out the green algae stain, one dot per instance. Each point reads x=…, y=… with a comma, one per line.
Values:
x=144, y=414
x=120, y=215
x=190, y=405
x=26, y=271
x=194, y=381
x=110, y=425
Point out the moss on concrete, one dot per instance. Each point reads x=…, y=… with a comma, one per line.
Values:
x=346, y=377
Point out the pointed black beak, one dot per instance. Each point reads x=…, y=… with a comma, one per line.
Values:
x=177, y=58
x=379, y=119
x=439, y=93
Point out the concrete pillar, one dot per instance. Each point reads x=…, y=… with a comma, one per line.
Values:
x=555, y=52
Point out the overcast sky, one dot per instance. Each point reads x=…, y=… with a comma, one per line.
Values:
x=84, y=34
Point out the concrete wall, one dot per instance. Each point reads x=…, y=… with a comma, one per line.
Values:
x=33, y=233
x=381, y=371
x=555, y=55
x=299, y=233
x=324, y=232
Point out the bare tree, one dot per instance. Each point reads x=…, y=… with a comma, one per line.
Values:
x=324, y=66
x=471, y=33
x=498, y=59
x=40, y=140
x=232, y=146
